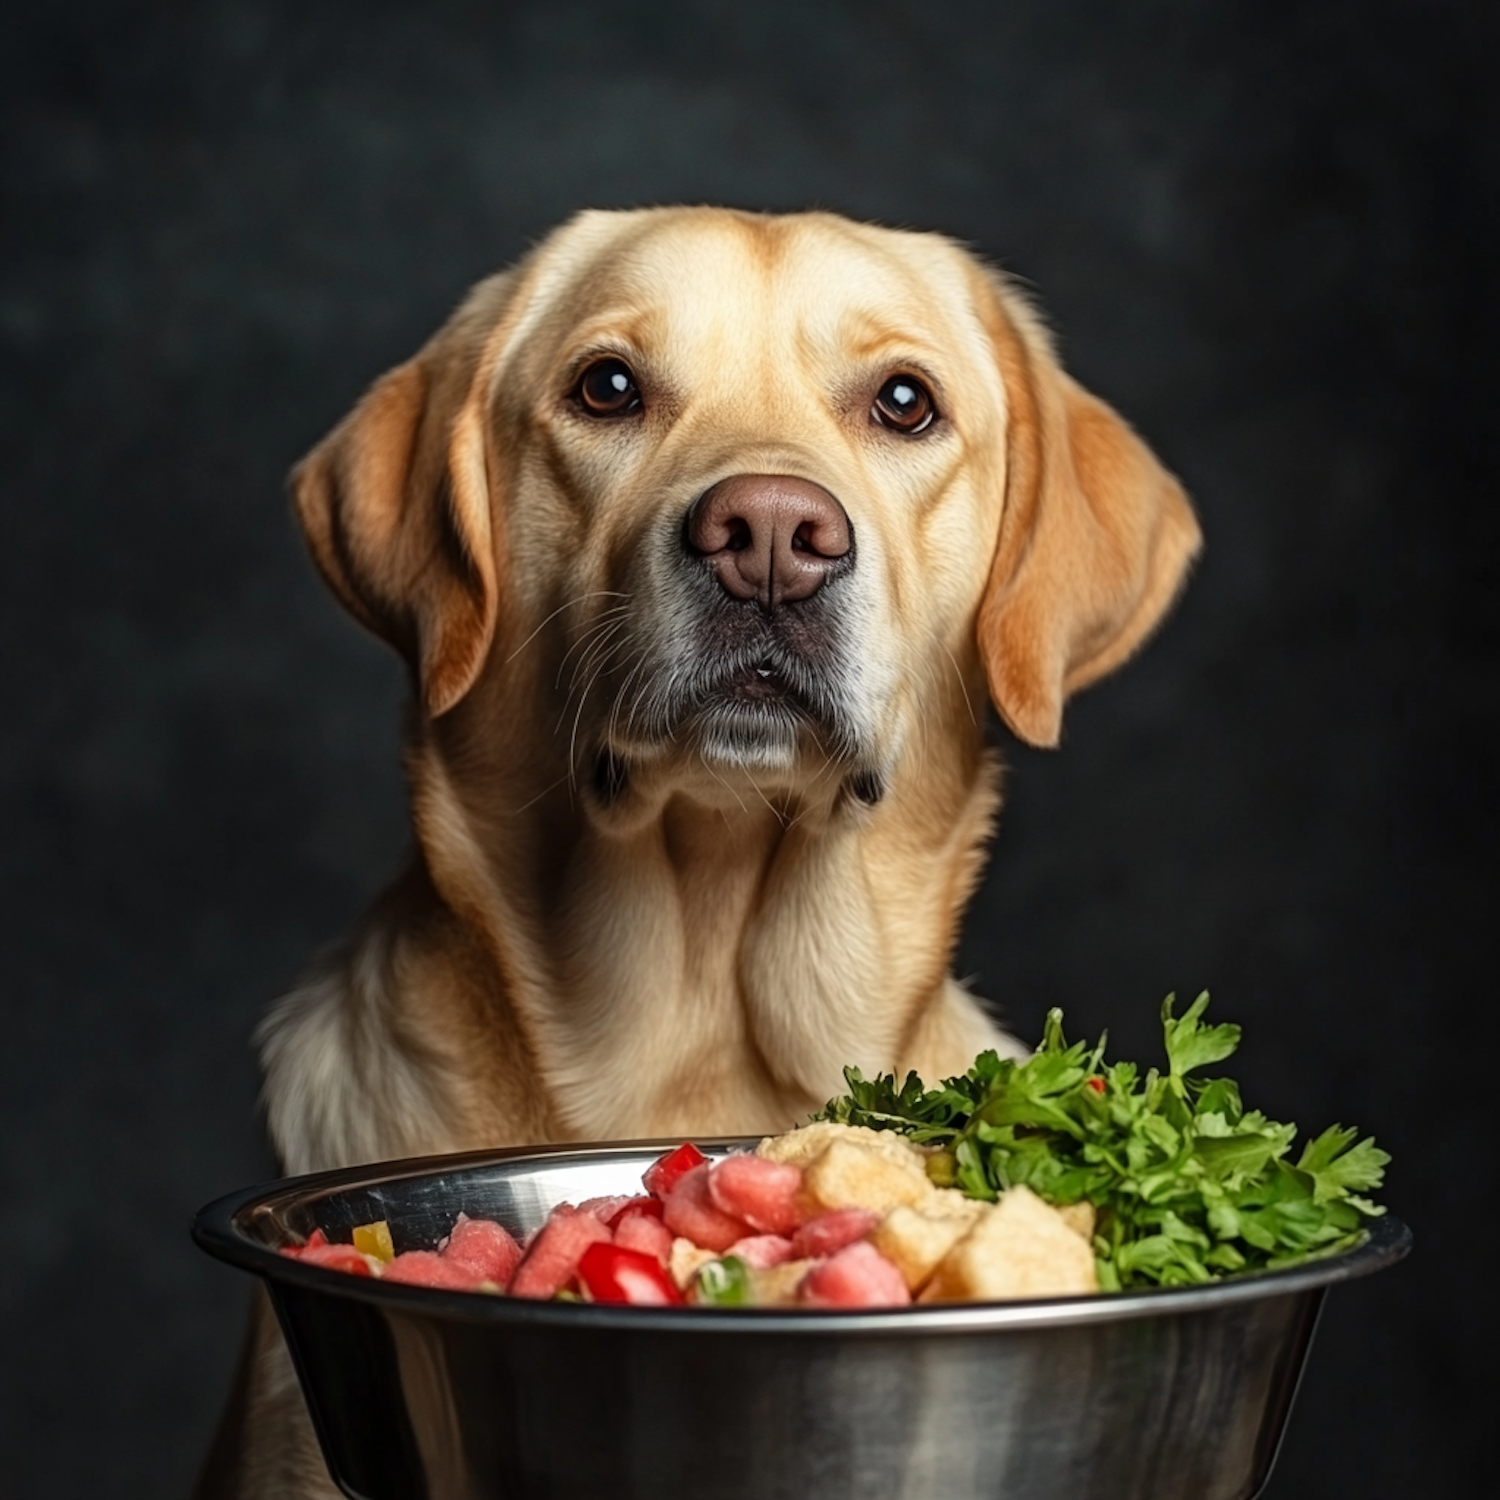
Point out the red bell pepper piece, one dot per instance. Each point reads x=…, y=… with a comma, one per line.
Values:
x=611, y=1273
x=665, y=1173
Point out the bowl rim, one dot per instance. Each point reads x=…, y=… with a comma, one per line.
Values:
x=218, y=1229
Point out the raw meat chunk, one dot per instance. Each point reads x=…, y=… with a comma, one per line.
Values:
x=765, y=1194
x=484, y=1247
x=604, y=1209
x=762, y=1251
x=645, y=1233
x=690, y=1212
x=428, y=1268
x=331, y=1257
x=554, y=1254
x=828, y=1233
x=858, y=1276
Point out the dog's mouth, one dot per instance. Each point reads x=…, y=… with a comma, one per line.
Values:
x=758, y=713
x=723, y=681
x=759, y=708
x=763, y=683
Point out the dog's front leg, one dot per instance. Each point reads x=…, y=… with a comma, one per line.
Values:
x=265, y=1448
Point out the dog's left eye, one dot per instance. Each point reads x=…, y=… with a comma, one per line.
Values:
x=903, y=404
x=608, y=389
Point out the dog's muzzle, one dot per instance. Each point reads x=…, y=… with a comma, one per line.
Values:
x=753, y=648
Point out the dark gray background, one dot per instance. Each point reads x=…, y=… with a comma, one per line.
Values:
x=1266, y=231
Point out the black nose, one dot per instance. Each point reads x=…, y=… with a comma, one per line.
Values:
x=769, y=537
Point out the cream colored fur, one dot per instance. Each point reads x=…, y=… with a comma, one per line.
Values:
x=704, y=951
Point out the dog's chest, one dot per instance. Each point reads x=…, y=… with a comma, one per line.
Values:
x=714, y=982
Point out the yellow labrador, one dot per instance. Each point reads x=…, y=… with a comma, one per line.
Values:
x=705, y=535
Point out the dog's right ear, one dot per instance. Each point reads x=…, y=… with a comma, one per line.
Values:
x=395, y=504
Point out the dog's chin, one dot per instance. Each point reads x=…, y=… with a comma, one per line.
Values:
x=750, y=736
x=761, y=718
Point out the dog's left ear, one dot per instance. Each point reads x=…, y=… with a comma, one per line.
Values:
x=396, y=509
x=1095, y=537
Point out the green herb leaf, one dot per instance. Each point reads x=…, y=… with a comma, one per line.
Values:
x=1190, y=1045
x=1186, y=1183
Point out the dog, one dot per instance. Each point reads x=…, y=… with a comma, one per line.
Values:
x=705, y=536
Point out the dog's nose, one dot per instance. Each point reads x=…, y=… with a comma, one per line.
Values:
x=769, y=537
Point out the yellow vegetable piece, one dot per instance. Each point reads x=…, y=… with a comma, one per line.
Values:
x=375, y=1239
x=942, y=1169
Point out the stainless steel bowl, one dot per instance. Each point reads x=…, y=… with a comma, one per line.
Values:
x=428, y=1395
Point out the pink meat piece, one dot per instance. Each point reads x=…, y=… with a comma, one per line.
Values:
x=604, y=1209
x=858, y=1276
x=553, y=1256
x=428, y=1268
x=484, y=1247
x=645, y=1233
x=635, y=1205
x=830, y=1232
x=762, y=1251
x=689, y=1211
x=318, y=1252
x=765, y=1194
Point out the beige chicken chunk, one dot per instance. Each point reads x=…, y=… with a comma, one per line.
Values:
x=776, y=1286
x=800, y=1147
x=850, y=1174
x=915, y=1241
x=686, y=1261
x=1079, y=1217
x=1021, y=1248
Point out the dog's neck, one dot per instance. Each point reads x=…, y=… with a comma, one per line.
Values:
x=686, y=965
x=702, y=957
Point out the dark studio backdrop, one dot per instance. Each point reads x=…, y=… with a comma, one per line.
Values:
x=1265, y=231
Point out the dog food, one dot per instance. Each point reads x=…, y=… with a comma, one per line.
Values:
x=829, y=1216
x=1056, y=1176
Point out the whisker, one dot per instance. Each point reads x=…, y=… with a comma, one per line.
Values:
x=607, y=618
x=619, y=692
x=533, y=802
x=703, y=761
x=594, y=594
x=578, y=716
x=601, y=644
x=828, y=768
x=596, y=661
x=962, y=685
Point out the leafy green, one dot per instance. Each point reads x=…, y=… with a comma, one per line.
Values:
x=1187, y=1184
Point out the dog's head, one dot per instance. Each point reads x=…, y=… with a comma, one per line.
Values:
x=720, y=493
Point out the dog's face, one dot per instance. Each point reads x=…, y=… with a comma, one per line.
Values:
x=762, y=451
x=724, y=495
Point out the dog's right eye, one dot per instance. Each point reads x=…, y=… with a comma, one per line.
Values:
x=608, y=389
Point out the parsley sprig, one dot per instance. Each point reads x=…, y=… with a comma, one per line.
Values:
x=1187, y=1184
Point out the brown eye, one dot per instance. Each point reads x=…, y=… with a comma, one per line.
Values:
x=608, y=389
x=904, y=404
